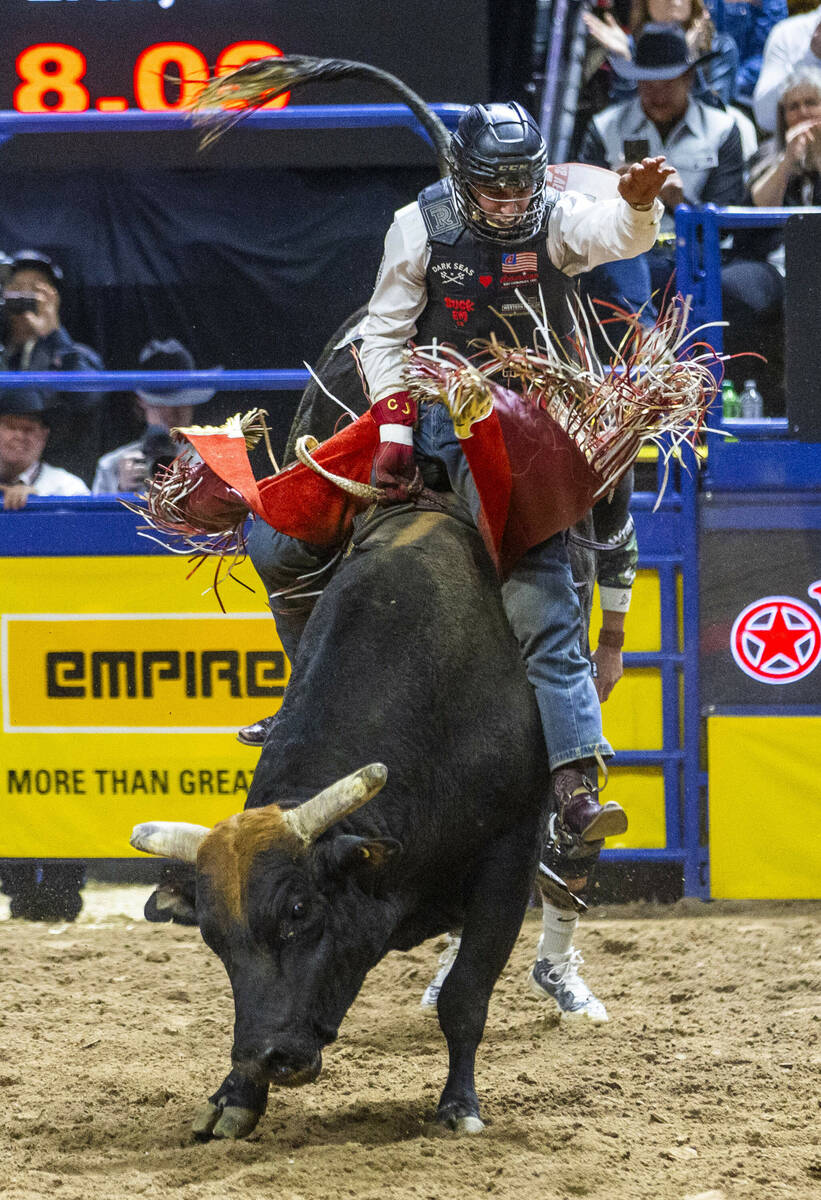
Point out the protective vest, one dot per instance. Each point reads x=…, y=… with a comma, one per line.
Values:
x=472, y=283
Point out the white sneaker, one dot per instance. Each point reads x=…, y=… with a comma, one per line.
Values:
x=430, y=997
x=559, y=980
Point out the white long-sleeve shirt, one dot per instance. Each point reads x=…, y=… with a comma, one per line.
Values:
x=46, y=480
x=787, y=47
x=581, y=234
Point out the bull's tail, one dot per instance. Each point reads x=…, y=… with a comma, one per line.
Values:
x=259, y=82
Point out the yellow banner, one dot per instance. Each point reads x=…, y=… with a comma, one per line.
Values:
x=765, y=797
x=123, y=686
x=137, y=672
x=103, y=660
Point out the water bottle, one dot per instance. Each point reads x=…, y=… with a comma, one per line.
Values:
x=752, y=406
x=730, y=404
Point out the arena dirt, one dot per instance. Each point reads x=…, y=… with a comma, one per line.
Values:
x=704, y=1083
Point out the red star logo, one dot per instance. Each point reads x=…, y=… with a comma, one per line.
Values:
x=776, y=639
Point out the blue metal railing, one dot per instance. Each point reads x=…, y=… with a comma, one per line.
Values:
x=124, y=381
x=770, y=459
x=293, y=117
x=698, y=256
x=667, y=540
x=308, y=116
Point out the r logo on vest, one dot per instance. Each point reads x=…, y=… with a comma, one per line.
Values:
x=442, y=217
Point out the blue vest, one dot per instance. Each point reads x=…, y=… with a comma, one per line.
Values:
x=472, y=283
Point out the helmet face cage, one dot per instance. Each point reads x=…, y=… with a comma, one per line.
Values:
x=499, y=147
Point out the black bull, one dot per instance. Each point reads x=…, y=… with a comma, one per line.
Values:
x=407, y=659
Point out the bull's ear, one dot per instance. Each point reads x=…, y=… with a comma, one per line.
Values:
x=346, y=852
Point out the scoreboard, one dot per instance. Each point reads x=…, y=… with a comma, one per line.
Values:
x=71, y=56
x=154, y=55
x=166, y=75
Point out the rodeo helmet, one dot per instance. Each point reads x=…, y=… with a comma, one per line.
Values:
x=498, y=146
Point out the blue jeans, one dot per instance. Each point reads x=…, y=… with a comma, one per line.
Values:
x=539, y=599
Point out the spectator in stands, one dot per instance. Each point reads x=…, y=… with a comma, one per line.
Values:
x=748, y=23
x=700, y=141
x=793, y=43
x=24, y=431
x=34, y=340
x=717, y=74
x=785, y=173
x=127, y=468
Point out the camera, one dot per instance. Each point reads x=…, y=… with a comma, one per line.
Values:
x=158, y=448
x=15, y=303
x=137, y=468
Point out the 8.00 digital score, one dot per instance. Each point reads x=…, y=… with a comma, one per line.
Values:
x=51, y=77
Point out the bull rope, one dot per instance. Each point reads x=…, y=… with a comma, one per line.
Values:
x=364, y=491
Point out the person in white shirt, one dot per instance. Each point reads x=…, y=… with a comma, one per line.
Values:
x=786, y=173
x=129, y=467
x=24, y=431
x=793, y=43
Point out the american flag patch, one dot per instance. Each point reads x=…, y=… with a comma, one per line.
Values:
x=515, y=263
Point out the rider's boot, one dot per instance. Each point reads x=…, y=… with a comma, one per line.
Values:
x=256, y=733
x=581, y=819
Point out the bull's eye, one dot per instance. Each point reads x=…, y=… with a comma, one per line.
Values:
x=298, y=911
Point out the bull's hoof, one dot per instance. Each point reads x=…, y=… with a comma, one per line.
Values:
x=469, y=1125
x=233, y=1111
x=212, y=1121
x=454, y=1117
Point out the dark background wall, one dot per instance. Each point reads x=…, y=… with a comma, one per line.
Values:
x=255, y=251
x=248, y=268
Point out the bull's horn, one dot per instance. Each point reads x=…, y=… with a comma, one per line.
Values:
x=169, y=839
x=345, y=796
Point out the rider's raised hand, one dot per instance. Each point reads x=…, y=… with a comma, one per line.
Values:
x=642, y=182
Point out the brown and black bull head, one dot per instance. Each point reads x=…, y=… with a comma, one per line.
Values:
x=280, y=899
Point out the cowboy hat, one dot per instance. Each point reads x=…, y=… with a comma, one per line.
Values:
x=661, y=53
x=26, y=402
x=170, y=355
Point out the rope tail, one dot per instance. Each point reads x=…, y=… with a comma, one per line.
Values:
x=258, y=82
